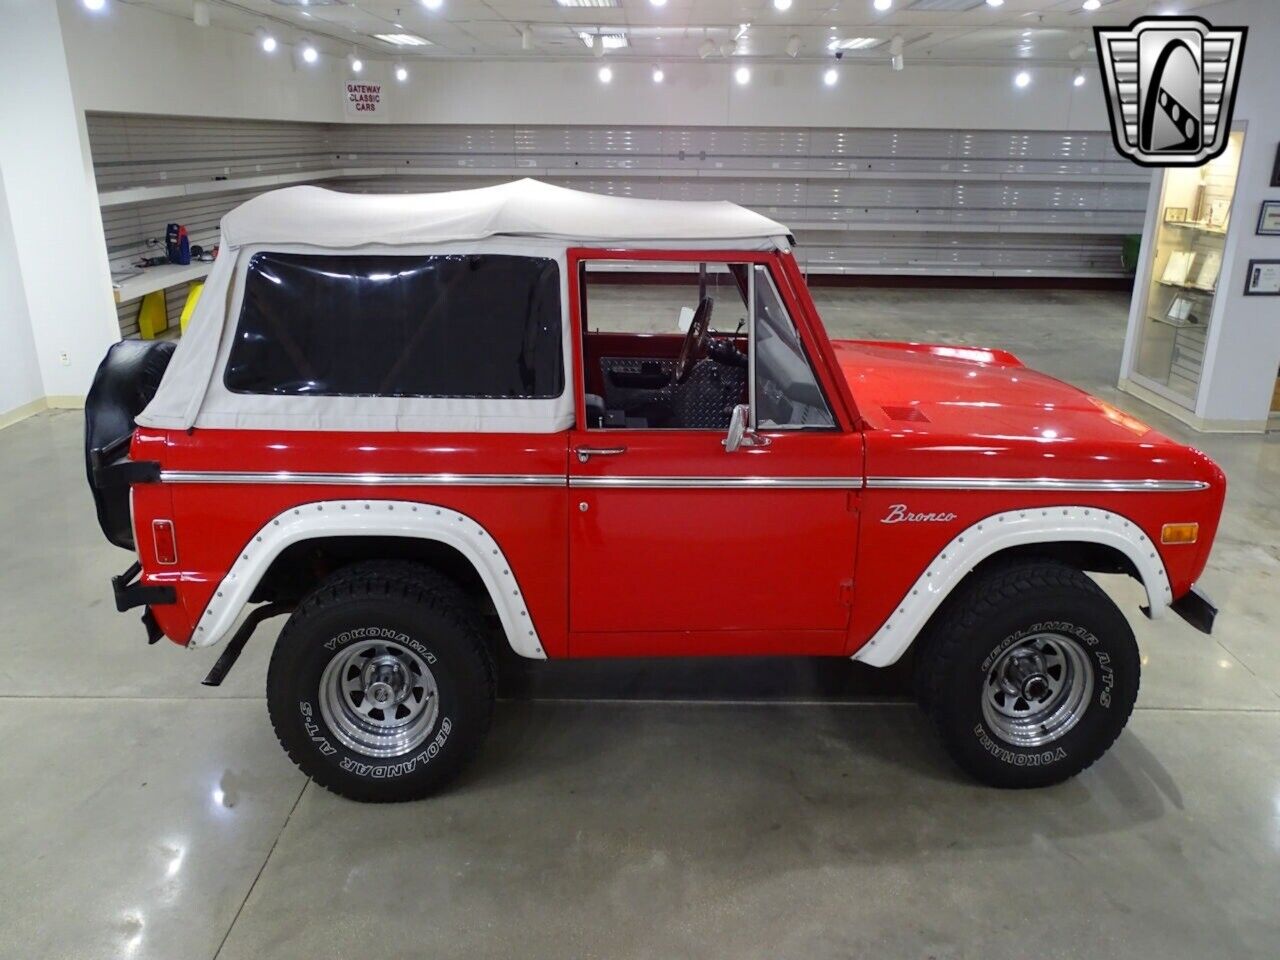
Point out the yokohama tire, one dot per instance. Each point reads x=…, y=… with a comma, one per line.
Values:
x=381, y=629
x=1028, y=674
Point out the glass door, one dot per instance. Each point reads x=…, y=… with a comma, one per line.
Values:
x=1191, y=228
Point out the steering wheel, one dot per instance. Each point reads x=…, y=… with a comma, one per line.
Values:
x=695, y=340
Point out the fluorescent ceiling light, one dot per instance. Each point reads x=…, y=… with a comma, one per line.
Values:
x=433, y=4
x=94, y=5
x=782, y=5
x=607, y=41
x=883, y=5
x=1092, y=4
x=853, y=43
x=948, y=6
x=403, y=39
x=587, y=3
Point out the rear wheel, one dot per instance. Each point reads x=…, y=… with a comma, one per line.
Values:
x=1029, y=674
x=381, y=686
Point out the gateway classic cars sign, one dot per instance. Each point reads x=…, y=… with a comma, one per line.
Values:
x=363, y=100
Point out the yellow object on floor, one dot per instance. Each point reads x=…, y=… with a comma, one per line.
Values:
x=153, y=317
x=193, y=296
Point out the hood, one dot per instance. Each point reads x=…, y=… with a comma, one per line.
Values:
x=981, y=393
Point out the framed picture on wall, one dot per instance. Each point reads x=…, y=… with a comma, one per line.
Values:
x=1175, y=214
x=1263, y=279
x=1269, y=219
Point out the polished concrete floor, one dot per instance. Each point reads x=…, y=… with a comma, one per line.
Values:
x=661, y=810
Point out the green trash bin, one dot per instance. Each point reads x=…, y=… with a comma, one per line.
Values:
x=1130, y=247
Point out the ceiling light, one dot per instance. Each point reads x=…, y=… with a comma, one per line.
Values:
x=853, y=43
x=353, y=59
x=526, y=38
x=265, y=40
x=601, y=42
x=1092, y=4
x=995, y=3
x=1077, y=80
x=94, y=5
x=307, y=50
x=605, y=75
x=782, y=6
x=587, y=3
x=1023, y=79
x=658, y=75
x=883, y=5
x=793, y=45
x=706, y=48
x=897, y=62
x=402, y=72
x=200, y=13
x=433, y=4
x=402, y=39
x=831, y=76
x=742, y=75
x=658, y=3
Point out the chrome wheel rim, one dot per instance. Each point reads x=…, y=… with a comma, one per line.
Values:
x=379, y=698
x=1037, y=690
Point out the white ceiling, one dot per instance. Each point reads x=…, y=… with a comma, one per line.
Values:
x=1032, y=31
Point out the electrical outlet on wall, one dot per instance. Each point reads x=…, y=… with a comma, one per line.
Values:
x=64, y=359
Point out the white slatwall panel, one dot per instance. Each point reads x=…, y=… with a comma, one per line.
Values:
x=909, y=201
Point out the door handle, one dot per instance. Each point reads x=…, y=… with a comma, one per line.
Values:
x=586, y=453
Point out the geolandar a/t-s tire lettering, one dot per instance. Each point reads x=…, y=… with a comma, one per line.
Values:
x=1029, y=673
x=381, y=686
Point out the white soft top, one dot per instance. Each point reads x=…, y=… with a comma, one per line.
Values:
x=521, y=208
x=524, y=217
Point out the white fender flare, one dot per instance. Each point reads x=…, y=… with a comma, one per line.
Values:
x=371, y=518
x=1071, y=524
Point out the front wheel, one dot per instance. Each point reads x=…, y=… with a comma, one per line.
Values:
x=381, y=687
x=1029, y=674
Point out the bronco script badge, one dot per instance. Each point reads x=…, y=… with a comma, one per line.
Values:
x=1171, y=88
x=898, y=513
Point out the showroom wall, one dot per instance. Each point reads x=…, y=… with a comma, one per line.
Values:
x=20, y=385
x=950, y=186
x=51, y=205
x=217, y=73
x=1244, y=352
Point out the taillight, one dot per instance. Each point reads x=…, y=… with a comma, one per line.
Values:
x=165, y=542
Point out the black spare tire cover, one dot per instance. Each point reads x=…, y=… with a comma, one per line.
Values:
x=127, y=379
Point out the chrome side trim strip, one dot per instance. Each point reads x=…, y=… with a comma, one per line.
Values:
x=719, y=483
x=1035, y=483
x=367, y=479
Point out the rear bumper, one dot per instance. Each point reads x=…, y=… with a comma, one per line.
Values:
x=1197, y=609
x=130, y=592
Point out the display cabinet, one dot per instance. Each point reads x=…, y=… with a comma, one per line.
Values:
x=1182, y=276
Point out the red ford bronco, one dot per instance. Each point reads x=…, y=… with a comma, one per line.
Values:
x=425, y=425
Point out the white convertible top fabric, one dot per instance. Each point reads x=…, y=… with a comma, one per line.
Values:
x=524, y=217
x=522, y=208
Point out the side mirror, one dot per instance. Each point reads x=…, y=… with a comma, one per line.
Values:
x=740, y=435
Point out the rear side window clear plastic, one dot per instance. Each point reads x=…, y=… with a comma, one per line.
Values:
x=468, y=325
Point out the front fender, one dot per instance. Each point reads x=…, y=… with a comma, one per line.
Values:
x=1001, y=531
